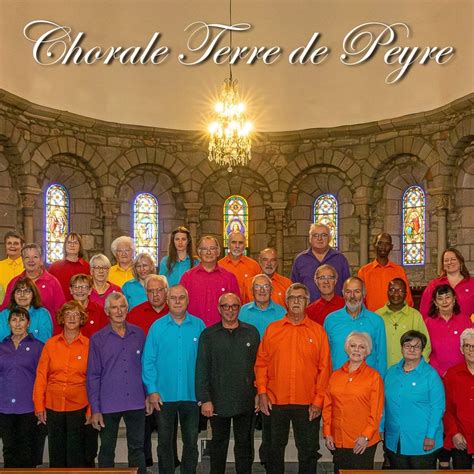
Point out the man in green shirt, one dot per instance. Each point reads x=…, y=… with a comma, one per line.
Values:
x=399, y=318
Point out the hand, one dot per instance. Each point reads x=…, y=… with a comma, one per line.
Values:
x=154, y=402
x=314, y=411
x=265, y=404
x=41, y=415
x=329, y=442
x=428, y=444
x=207, y=409
x=459, y=441
x=97, y=421
x=257, y=404
x=360, y=445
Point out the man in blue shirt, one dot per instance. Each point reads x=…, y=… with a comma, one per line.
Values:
x=169, y=365
x=354, y=316
x=262, y=310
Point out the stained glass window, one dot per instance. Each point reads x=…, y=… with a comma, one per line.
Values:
x=236, y=217
x=57, y=221
x=326, y=212
x=414, y=226
x=145, y=224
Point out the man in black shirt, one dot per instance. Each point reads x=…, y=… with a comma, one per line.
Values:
x=225, y=384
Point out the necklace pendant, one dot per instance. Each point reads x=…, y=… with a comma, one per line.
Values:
x=395, y=325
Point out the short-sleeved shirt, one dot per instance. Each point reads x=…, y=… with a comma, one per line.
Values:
x=118, y=276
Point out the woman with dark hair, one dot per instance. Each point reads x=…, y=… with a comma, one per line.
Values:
x=456, y=275
x=180, y=256
x=134, y=290
x=19, y=356
x=414, y=407
x=72, y=264
x=445, y=323
x=59, y=394
x=25, y=295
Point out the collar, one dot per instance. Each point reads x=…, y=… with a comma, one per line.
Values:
x=418, y=368
x=252, y=306
x=345, y=367
x=81, y=338
x=118, y=268
x=29, y=337
x=385, y=310
x=200, y=268
x=129, y=329
x=304, y=321
x=363, y=310
x=390, y=264
x=16, y=261
x=169, y=320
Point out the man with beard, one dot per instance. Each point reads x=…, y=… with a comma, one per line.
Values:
x=237, y=263
x=377, y=274
x=354, y=316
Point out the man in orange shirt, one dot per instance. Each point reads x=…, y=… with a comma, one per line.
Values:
x=379, y=273
x=237, y=263
x=268, y=260
x=292, y=372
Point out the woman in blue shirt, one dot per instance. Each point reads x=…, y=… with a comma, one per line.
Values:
x=180, y=256
x=134, y=290
x=414, y=407
x=25, y=295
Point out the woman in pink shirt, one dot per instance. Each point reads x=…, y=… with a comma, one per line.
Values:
x=101, y=287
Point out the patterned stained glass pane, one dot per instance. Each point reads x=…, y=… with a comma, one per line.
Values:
x=326, y=212
x=57, y=221
x=236, y=217
x=145, y=224
x=414, y=226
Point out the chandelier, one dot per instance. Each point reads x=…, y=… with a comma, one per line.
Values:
x=229, y=130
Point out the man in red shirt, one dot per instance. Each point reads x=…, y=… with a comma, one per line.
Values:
x=325, y=278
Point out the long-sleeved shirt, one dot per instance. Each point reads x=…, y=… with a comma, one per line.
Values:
x=225, y=368
x=459, y=415
x=319, y=309
x=114, y=372
x=118, y=276
x=180, y=266
x=279, y=284
x=396, y=324
x=41, y=326
x=169, y=358
x=414, y=407
x=17, y=374
x=305, y=266
x=353, y=405
x=464, y=295
x=49, y=288
x=260, y=318
x=445, y=336
x=340, y=324
x=144, y=315
x=135, y=293
x=243, y=268
x=9, y=269
x=63, y=270
x=205, y=288
x=293, y=363
x=61, y=375
x=376, y=278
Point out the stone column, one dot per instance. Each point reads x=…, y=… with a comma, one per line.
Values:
x=29, y=198
x=110, y=209
x=441, y=206
x=362, y=210
x=279, y=209
x=192, y=211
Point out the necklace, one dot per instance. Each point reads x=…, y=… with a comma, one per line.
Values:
x=395, y=323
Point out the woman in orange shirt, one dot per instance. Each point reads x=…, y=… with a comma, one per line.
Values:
x=59, y=393
x=353, y=407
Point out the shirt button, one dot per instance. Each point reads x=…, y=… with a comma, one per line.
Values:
x=91, y=322
x=13, y=400
x=27, y=348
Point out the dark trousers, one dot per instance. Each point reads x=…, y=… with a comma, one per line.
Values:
x=243, y=426
x=345, y=458
x=188, y=413
x=150, y=426
x=306, y=438
x=19, y=440
x=461, y=459
x=419, y=462
x=66, y=437
x=91, y=446
x=135, y=426
x=263, y=451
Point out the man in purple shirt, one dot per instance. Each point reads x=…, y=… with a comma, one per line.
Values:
x=207, y=282
x=114, y=384
x=319, y=253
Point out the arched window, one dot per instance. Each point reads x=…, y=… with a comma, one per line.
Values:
x=326, y=212
x=145, y=224
x=56, y=221
x=236, y=217
x=413, y=232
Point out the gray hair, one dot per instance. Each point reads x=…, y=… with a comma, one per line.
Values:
x=466, y=334
x=99, y=258
x=320, y=224
x=123, y=239
x=153, y=276
x=362, y=335
x=296, y=286
x=139, y=258
x=262, y=275
x=115, y=295
x=325, y=267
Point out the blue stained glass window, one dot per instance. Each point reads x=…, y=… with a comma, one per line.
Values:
x=56, y=221
x=414, y=233
x=326, y=212
x=236, y=218
x=145, y=224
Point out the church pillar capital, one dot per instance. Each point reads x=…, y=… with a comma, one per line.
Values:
x=29, y=196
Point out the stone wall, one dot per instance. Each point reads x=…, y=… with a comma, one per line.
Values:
x=367, y=167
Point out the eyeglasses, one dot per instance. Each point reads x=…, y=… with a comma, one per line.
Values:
x=81, y=287
x=124, y=251
x=319, y=236
x=155, y=290
x=72, y=315
x=142, y=266
x=297, y=298
x=177, y=298
x=326, y=278
x=468, y=347
x=101, y=269
x=393, y=291
x=265, y=287
x=233, y=307
x=410, y=347
x=207, y=249
x=23, y=291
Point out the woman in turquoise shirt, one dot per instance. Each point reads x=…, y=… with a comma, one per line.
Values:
x=134, y=290
x=414, y=407
x=26, y=295
x=180, y=256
